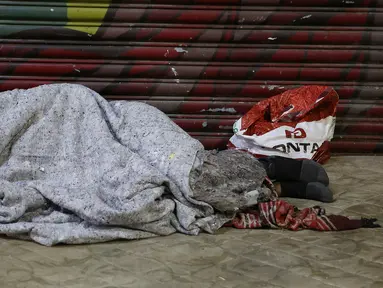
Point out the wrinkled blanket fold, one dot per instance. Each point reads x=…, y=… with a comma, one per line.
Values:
x=75, y=168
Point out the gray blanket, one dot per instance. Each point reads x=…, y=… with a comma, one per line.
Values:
x=75, y=168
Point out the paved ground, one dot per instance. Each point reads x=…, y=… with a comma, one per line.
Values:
x=232, y=258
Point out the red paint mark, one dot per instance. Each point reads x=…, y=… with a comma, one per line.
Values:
x=300, y=37
x=199, y=16
x=267, y=73
x=354, y=74
x=348, y=19
x=227, y=35
x=288, y=56
x=320, y=74
x=326, y=56
x=210, y=73
x=177, y=35
x=203, y=89
x=221, y=54
x=136, y=70
x=144, y=33
x=375, y=111
x=67, y=53
x=10, y=85
x=345, y=38
x=360, y=57
x=345, y=91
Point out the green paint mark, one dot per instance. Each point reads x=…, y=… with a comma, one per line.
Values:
x=33, y=13
x=6, y=30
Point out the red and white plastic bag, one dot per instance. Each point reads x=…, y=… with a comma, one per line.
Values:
x=298, y=123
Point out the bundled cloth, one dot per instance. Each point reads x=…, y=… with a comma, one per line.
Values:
x=75, y=168
x=280, y=214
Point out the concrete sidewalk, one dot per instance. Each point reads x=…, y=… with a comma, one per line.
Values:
x=232, y=258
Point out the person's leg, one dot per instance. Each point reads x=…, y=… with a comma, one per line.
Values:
x=286, y=169
x=303, y=179
x=313, y=190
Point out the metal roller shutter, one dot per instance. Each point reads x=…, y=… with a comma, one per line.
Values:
x=205, y=62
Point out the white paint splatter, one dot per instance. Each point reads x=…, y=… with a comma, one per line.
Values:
x=167, y=53
x=307, y=16
x=174, y=72
x=77, y=70
x=272, y=38
x=224, y=109
x=223, y=279
x=271, y=87
x=52, y=9
x=90, y=35
x=204, y=124
x=181, y=50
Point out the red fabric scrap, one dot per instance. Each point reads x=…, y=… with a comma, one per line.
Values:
x=281, y=214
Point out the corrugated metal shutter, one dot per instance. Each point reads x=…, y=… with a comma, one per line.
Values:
x=205, y=62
